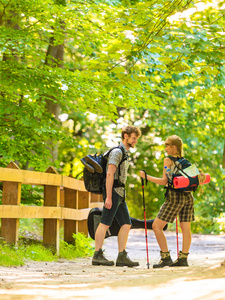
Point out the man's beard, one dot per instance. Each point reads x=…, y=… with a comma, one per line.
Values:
x=130, y=145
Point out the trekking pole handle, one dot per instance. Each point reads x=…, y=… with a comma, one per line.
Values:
x=142, y=179
x=142, y=182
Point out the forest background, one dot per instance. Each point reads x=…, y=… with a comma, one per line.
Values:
x=73, y=73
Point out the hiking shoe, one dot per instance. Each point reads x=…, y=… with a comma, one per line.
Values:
x=100, y=260
x=165, y=260
x=123, y=260
x=94, y=164
x=181, y=261
x=87, y=166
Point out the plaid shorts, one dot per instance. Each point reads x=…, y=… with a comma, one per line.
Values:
x=177, y=203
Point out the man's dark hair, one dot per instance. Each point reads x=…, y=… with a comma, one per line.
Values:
x=129, y=130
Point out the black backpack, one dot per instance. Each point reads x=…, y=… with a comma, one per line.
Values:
x=181, y=164
x=95, y=182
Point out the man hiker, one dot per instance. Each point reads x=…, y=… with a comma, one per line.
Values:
x=114, y=201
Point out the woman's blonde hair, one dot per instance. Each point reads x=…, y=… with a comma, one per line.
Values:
x=176, y=141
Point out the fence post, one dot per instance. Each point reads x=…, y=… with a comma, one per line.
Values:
x=83, y=201
x=51, y=226
x=11, y=196
x=70, y=201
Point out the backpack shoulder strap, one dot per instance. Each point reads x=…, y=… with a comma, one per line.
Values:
x=174, y=158
x=124, y=153
x=124, y=157
x=178, y=159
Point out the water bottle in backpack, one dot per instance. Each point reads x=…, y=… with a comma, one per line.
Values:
x=169, y=174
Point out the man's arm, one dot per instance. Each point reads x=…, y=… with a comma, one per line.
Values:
x=109, y=185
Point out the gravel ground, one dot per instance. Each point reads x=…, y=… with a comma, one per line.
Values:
x=203, y=279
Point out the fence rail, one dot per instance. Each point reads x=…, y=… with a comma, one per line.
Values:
x=65, y=198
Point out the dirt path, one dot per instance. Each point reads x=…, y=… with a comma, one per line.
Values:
x=204, y=279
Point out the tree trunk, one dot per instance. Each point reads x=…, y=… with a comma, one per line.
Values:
x=54, y=58
x=14, y=55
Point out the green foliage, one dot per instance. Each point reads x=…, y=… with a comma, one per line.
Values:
x=137, y=57
x=32, y=195
x=82, y=247
x=37, y=253
x=10, y=256
x=18, y=256
x=205, y=225
x=221, y=222
x=104, y=64
x=89, y=137
x=32, y=250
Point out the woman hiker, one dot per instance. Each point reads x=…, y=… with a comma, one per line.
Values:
x=177, y=203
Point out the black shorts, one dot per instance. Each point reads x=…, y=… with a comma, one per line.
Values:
x=118, y=210
x=177, y=203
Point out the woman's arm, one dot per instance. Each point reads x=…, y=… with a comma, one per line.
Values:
x=157, y=180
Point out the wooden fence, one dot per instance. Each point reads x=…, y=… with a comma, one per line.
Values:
x=65, y=198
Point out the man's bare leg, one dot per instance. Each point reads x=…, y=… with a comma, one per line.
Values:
x=123, y=236
x=100, y=236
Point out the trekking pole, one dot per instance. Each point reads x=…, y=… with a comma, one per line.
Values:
x=146, y=236
x=177, y=238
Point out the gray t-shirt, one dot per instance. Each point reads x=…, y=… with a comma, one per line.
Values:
x=115, y=157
